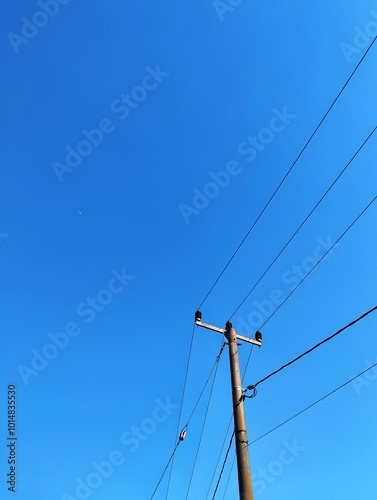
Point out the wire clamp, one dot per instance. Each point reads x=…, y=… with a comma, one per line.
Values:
x=250, y=388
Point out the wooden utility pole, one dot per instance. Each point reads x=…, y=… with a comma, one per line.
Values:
x=240, y=433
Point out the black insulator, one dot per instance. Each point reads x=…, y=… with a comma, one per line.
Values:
x=228, y=325
x=258, y=336
x=198, y=316
x=182, y=435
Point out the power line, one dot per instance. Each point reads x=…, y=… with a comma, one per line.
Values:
x=286, y=175
x=319, y=261
x=201, y=434
x=180, y=411
x=307, y=408
x=167, y=465
x=311, y=406
x=205, y=385
x=223, y=466
x=218, y=460
x=229, y=476
x=222, y=446
x=311, y=270
x=187, y=423
x=254, y=386
x=352, y=323
x=303, y=223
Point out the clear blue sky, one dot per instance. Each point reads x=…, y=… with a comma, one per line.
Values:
x=118, y=121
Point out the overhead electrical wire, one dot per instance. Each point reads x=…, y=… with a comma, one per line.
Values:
x=319, y=261
x=313, y=404
x=229, y=476
x=327, y=339
x=302, y=223
x=253, y=387
x=203, y=427
x=163, y=473
x=303, y=411
x=260, y=215
x=185, y=380
x=184, y=429
x=311, y=270
x=218, y=460
x=180, y=410
x=205, y=385
x=223, y=466
x=286, y=175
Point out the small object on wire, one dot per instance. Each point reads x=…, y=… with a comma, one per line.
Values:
x=182, y=435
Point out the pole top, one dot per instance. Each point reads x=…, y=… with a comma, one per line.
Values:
x=228, y=328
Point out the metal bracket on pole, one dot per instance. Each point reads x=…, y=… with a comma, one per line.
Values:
x=258, y=336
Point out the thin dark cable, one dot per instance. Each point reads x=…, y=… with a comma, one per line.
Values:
x=163, y=473
x=202, y=432
x=205, y=385
x=254, y=386
x=188, y=421
x=223, y=466
x=313, y=404
x=319, y=261
x=247, y=362
x=286, y=175
x=303, y=279
x=180, y=410
x=303, y=411
x=229, y=476
x=221, y=451
x=303, y=222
